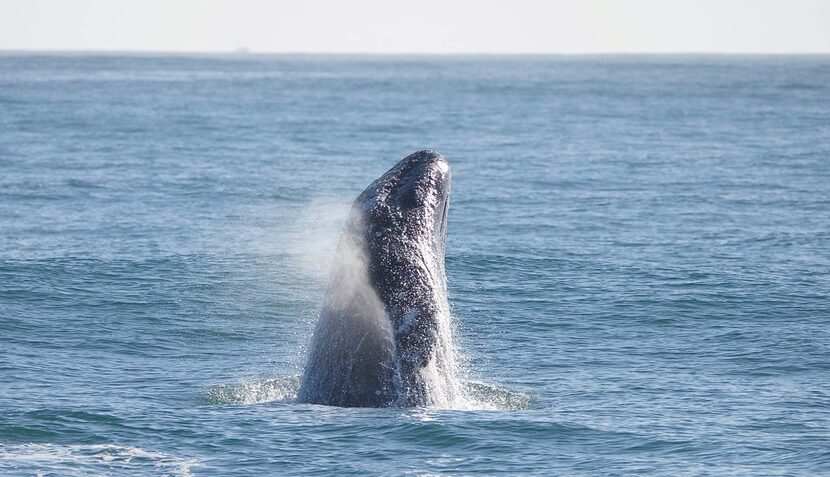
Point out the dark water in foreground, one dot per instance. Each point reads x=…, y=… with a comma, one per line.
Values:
x=638, y=261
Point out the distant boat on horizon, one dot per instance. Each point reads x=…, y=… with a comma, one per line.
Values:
x=241, y=50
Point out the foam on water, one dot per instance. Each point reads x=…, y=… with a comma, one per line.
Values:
x=90, y=460
x=470, y=395
x=254, y=392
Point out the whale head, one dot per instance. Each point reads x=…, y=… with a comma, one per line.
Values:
x=408, y=204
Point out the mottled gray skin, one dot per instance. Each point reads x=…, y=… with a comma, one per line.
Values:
x=377, y=327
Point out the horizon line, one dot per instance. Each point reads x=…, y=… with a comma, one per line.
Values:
x=249, y=52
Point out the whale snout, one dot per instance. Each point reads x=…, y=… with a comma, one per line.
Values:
x=423, y=182
x=419, y=187
x=430, y=167
x=414, y=194
x=437, y=177
x=431, y=161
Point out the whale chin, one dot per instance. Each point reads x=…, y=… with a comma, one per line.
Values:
x=383, y=337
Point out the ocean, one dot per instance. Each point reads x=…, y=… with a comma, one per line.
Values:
x=638, y=262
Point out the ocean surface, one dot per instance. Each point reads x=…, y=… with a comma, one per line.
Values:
x=638, y=260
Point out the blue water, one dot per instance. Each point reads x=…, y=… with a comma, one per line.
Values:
x=638, y=262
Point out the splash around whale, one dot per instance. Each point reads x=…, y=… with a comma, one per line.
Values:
x=384, y=334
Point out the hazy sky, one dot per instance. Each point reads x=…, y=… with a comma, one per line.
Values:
x=422, y=26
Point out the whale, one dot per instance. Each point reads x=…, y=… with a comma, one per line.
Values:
x=383, y=337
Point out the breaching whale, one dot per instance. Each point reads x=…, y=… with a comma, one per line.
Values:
x=383, y=337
